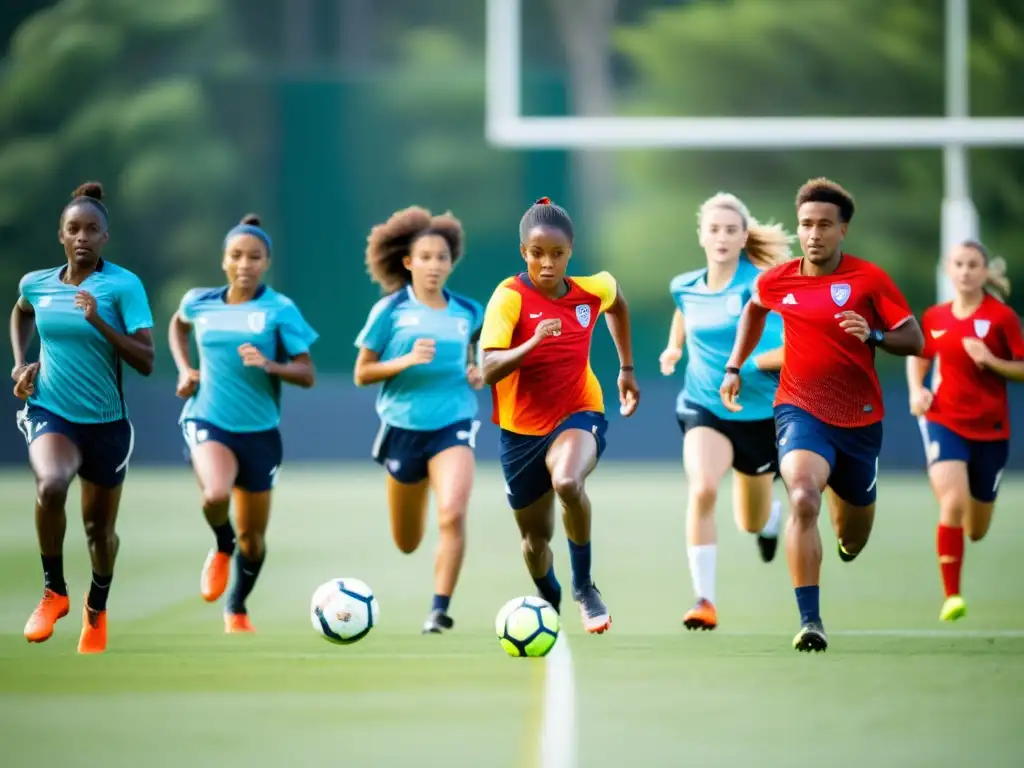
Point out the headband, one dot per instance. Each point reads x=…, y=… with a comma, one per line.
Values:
x=249, y=229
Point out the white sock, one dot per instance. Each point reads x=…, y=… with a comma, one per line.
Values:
x=771, y=528
x=702, y=570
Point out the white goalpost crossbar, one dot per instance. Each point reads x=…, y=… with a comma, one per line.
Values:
x=506, y=126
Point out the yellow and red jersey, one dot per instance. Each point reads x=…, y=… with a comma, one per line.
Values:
x=555, y=380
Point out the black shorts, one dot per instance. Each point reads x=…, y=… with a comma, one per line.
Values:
x=259, y=454
x=753, y=442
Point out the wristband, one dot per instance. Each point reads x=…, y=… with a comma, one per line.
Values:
x=732, y=369
x=875, y=338
x=625, y=367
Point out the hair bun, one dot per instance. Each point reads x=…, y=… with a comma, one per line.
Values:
x=251, y=219
x=543, y=201
x=90, y=189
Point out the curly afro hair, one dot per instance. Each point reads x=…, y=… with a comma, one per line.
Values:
x=822, y=190
x=389, y=243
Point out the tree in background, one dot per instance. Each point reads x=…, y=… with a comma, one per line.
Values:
x=761, y=57
x=131, y=94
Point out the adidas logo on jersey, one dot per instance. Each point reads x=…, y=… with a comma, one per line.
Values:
x=790, y=299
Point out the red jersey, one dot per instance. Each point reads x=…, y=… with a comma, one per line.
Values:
x=828, y=372
x=969, y=400
x=555, y=380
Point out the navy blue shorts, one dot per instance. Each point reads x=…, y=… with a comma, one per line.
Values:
x=258, y=454
x=985, y=459
x=105, y=448
x=524, y=457
x=851, y=452
x=405, y=453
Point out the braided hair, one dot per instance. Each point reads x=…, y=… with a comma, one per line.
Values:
x=544, y=213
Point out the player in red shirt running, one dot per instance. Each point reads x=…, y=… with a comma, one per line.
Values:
x=836, y=308
x=972, y=345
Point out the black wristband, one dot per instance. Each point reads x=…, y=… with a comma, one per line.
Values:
x=732, y=369
x=625, y=367
x=875, y=338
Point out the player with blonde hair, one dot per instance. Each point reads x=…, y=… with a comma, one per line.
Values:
x=972, y=346
x=709, y=302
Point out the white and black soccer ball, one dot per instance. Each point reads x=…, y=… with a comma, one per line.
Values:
x=343, y=611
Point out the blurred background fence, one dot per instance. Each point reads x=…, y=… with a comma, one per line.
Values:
x=324, y=116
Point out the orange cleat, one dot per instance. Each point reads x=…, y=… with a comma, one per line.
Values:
x=702, y=616
x=94, y=631
x=51, y=608
x=235, y=623
x=216, y=571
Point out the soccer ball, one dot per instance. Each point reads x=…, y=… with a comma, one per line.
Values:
x=344, y=611
x=527, y=626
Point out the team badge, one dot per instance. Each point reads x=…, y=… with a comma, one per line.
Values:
x=583, y=314
x=257, y=321
x=840, y=293
x=734, y=304
x=981, y=328
x=463, y=327
x=44, y=301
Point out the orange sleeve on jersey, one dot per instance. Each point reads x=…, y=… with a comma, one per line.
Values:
x=602, y=285
x=500, y=318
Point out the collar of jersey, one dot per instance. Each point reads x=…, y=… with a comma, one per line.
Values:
x=412, y=296
x=259, y=292
x=524, y=278
x=64, y=270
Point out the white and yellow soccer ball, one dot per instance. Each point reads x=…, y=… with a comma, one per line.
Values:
x=527, y=626
x=343, y=611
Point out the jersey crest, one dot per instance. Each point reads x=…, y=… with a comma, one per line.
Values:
x=257, y=321
x=840, y=293
x=583, y=314
x=734, y=304
x=981, y=328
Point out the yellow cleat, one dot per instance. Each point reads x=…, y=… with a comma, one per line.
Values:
x=954, y=608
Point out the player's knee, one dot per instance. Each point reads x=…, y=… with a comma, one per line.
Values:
x=51, y=491
x=805, y=503
x=954, y=506
x=703, y=498
x=215, y=497
x=568, y=488
x=251, y=545
x=451, y=519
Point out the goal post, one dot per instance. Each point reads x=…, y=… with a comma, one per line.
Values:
x=954, y=133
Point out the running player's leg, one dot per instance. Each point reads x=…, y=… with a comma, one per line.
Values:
x=99, y=515
x=451, y=476
x=252, y=516
x=852, y=524
x=984, y=472
x=536, y=523
x=707, y=456
x=216, y=468
x=407, y=509
x=572, y=456
x=55, y=461
x=756, y=465
x=950, y=484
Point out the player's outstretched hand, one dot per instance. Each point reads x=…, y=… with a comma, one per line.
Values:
x=730, y=392
x=252, y=357
x=629, y=393
x=25, y=380
x=920, y=401
x=475, y=377
x=86, y=302
x=854, y=324
x=978, y=352
x=550, y=327
x=422, y=351
x=668, y=359
x=188, y=383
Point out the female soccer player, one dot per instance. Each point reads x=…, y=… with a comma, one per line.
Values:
x=419, y=341
x=536, y=342
x=972, y=346
x=709, y=303
x=250, y=339
x=91, y=316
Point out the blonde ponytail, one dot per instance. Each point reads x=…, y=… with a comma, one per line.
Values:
x=767, y=244
x=998, y=284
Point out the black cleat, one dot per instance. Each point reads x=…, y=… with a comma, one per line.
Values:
x=767, y=545
x=593, y=611
x=845, y=556
x=437, y=622
x=811, y=637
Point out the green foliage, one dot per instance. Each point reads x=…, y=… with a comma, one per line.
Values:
x=121, y=92
x=780, y=58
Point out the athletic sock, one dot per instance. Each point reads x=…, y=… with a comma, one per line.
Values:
x=549, y=588
x=771, y=528
x=807, y=600
x=53, y=574
x=949, y=544
x=441, y=603
x=246, y=573
x=225, y=537
x=703, y=559
x=579, y=558
x=99, y=590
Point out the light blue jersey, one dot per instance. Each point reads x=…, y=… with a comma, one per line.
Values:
x=231, y=395
x=431, y=396
x=80, y=373
x=711, y=322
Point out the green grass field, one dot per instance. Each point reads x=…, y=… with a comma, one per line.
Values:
x=896, y=687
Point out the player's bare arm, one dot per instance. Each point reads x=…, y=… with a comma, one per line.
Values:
x=617, y=316
x=920, y=396
x=178, y=340
x=674, y=348
x=748, y=334
x=23, y=326
x=499, y=363
x=983, y=357
x=370, y=369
